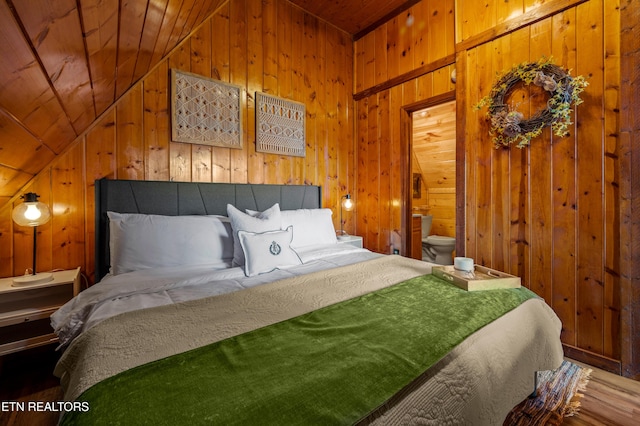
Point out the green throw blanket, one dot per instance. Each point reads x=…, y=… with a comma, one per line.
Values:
x=331, y=366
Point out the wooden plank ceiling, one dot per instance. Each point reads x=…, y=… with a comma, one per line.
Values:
x=64, y=62
x=355, y=16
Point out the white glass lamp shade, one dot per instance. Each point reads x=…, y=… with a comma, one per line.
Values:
x=347, y=203
x=31, y=212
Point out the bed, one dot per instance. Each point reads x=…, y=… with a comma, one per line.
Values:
x=236, y=304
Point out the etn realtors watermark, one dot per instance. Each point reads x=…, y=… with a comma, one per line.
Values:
x=57, y=406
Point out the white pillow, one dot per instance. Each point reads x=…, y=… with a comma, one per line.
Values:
x=310, y=226
x=268, y=220
x=267, y=251
x=139, y=241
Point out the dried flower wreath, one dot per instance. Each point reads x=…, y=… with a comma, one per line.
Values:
x=508, y=124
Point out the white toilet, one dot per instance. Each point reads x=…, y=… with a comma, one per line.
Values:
x=436, y=248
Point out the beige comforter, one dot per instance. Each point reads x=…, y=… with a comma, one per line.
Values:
x=477, y=383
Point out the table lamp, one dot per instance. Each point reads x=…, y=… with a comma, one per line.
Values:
x=345, y=204
x=32, y=213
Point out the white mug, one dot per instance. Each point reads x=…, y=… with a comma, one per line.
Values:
x=463, y=264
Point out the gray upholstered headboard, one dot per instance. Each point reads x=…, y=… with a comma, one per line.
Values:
x=188, y=198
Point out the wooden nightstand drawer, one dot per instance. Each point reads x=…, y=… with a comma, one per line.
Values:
x=30, y=304
x=26, y=334
x=25, y=310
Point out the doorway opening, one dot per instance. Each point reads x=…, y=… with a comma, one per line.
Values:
x=433, y=178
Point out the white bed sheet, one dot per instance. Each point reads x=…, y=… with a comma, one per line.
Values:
x=149, y=288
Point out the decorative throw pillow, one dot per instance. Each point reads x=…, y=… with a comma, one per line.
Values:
x=267, y=251
x=268, y=220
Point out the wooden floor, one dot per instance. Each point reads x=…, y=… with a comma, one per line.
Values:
x=28, y=376
x=609, y=399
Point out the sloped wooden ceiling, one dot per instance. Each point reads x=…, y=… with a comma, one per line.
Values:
x=355, y=16
x=64, y=62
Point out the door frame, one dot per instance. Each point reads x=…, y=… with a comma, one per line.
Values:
x=406, y=145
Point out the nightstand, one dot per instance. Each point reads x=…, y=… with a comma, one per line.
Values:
x=25, y=310
x=351, y=239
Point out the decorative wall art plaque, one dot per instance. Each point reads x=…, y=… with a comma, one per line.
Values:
x=279, y=126
x=205, y=111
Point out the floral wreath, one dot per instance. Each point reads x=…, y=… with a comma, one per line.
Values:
x=508, y=125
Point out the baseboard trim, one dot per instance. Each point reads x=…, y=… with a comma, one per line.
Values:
x=600, y=361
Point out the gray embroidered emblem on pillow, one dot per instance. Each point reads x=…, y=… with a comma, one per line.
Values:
x=275, y=248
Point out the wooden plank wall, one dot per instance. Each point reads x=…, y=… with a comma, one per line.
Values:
x=549, y=213
x=415, y=40
x=434, y=151
x=262, y=45
x=629, y=155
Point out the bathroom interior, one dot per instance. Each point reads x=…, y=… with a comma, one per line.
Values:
x=433, y=167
